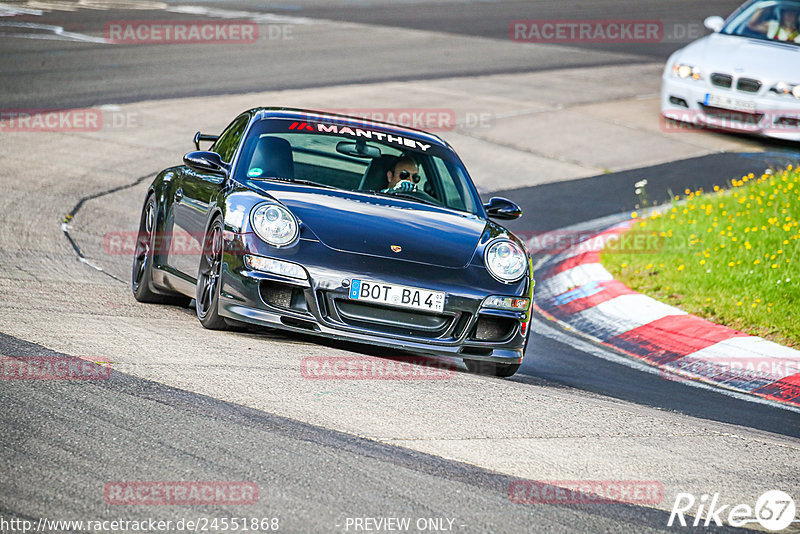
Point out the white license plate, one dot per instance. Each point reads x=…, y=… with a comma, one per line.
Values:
x=727, y=102
x=403, y=296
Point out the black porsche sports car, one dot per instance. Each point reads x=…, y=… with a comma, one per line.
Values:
x=330, y=225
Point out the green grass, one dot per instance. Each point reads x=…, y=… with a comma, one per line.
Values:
x=730, y=256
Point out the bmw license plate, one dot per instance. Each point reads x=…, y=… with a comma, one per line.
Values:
x=727, y=102
x=394, y=295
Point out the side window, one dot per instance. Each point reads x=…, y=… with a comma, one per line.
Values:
x=453, y=196
x=229, y=140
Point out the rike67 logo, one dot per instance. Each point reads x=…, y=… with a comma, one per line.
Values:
x=774, y=510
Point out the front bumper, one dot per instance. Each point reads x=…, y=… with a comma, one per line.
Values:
x=773, y=115
x=321, y=304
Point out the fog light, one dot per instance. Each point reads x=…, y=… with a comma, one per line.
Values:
x=270, y=265
x=678, y=101
x=506, y=303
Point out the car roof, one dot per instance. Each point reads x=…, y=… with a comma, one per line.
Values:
x=308, y=114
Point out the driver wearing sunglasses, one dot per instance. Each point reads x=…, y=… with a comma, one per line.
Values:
x=403, y=176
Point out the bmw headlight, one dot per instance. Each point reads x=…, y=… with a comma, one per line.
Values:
x=682, y=70
x=506, y=260
x=274, y=224
x=784, y=88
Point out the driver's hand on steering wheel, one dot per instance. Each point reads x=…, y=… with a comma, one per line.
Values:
x=402, y=186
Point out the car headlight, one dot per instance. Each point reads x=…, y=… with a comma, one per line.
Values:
x=506, y=260
x=785, y=88
x=271, y=265
x=682, y=70
x=274, y=224
x=506, y=303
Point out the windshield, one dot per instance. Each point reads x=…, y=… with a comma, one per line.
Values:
x=337, y=154
x=769, y=20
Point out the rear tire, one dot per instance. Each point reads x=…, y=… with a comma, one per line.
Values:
x=500, y=370
x=209, y=277
x=142, y=271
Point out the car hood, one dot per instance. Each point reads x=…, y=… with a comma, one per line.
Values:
x=743, y=56
x=366, y=224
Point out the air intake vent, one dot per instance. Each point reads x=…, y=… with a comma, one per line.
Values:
x=748, y=85
x=722, y=80
x=283, y=296
x=493, y=328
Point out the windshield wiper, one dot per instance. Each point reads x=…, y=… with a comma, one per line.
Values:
x=296, y=181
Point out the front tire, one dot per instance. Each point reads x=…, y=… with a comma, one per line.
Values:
x=209, y=278
x=142, y=271
x=500, y=370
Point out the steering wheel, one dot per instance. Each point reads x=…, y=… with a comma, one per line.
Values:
x=423, y=196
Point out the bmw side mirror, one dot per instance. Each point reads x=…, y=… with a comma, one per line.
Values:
x=206, y=162
x=714, y=23
x=502, y=208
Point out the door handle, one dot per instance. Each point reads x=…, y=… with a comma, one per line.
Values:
x=178, y=194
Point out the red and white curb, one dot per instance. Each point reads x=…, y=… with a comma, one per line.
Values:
x=574, y=289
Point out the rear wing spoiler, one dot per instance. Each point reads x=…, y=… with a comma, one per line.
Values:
x=203, y=137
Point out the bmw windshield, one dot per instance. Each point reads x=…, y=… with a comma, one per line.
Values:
x=768, y=20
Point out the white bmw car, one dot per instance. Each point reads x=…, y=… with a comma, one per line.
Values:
x=743, y=77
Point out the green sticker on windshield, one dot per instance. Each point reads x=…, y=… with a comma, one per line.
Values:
x=255, y=171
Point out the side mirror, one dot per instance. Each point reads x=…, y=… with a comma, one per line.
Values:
x=714, y=23
x=206, y=162
x=502, y=208
x=204, y=137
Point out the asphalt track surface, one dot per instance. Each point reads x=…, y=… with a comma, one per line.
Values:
x=38, y=72
x=62, y=441
x=311, y=473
